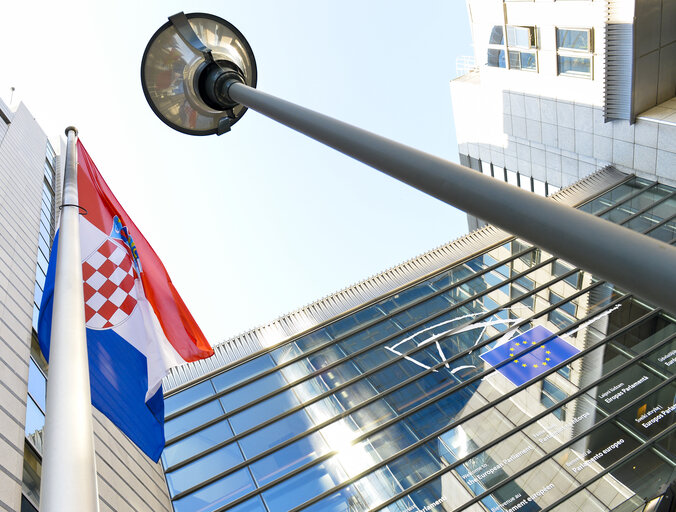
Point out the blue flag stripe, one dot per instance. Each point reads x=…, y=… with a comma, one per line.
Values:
x=122, y=400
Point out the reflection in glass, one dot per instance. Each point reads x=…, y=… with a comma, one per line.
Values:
x=187, y=397
x=203, y=468
x=572, y=39
x=192, y=419
x=217, y=494
x=196, y=443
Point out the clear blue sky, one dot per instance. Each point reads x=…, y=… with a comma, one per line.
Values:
x=261, y=221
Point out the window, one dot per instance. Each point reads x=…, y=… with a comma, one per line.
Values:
x=51, y=155
x=520, y=39
x=574, y=52
x=519, y=48
x=553, y=395
x=496, y=48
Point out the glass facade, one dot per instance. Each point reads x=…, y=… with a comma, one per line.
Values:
x=509, y=176
x=37, y=369
x=509, y=381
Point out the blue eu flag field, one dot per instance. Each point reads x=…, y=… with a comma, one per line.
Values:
x=522, y=367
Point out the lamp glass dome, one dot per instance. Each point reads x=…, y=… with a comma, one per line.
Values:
x=170, y=67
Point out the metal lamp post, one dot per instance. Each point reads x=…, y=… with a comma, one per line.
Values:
x=199, y=76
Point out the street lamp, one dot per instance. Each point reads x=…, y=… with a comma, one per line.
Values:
x=199, y=76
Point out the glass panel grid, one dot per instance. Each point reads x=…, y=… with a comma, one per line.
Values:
x=370, y=470
x=456, y=358
x=358, y=352
x=457, y=276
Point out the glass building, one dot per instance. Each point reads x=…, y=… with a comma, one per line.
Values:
x=506, y=380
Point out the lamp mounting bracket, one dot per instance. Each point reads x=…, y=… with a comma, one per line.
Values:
x=188, y=35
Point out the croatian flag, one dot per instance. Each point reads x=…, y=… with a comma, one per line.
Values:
x=137, y=325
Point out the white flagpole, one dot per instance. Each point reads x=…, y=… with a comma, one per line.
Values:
x=68, y=461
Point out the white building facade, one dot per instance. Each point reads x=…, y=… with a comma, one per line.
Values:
x=563, y=88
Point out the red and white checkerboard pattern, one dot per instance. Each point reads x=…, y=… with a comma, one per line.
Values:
x=109, y=292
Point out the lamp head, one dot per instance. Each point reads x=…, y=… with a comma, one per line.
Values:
x=185, y=70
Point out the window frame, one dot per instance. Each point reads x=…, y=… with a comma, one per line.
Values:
x=509, y=51
x=575, y=53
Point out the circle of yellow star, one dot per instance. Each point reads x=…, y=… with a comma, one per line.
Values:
x=535, y=366
x=524, y=365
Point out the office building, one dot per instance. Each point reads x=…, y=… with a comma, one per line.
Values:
x=560, y=89
x=483, y=375
x=31, y=172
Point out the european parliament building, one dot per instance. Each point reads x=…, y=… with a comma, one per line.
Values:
x=485, y=375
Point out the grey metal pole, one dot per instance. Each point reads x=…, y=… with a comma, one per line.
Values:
x=633, y=261
x=68, y=461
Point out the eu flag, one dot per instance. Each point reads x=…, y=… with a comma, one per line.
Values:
x=521, y=366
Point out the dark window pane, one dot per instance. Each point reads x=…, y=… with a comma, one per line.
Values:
x=30, y=485
x=262, y=411
x=275, y=433
x=496, y=58
x=192, y=419
x=187, y=397
x=294, y=491
x=252, y=391
x=577, y=66
x=514, y=59
x=666, y=232
x=355, y=320
x=552, y=395
x=49, y=174
x=196, y=443
x=242, y=372
x=217, y=494
x=528, y=61
x=204, y=468
x=497, y=36
x=573, y=39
